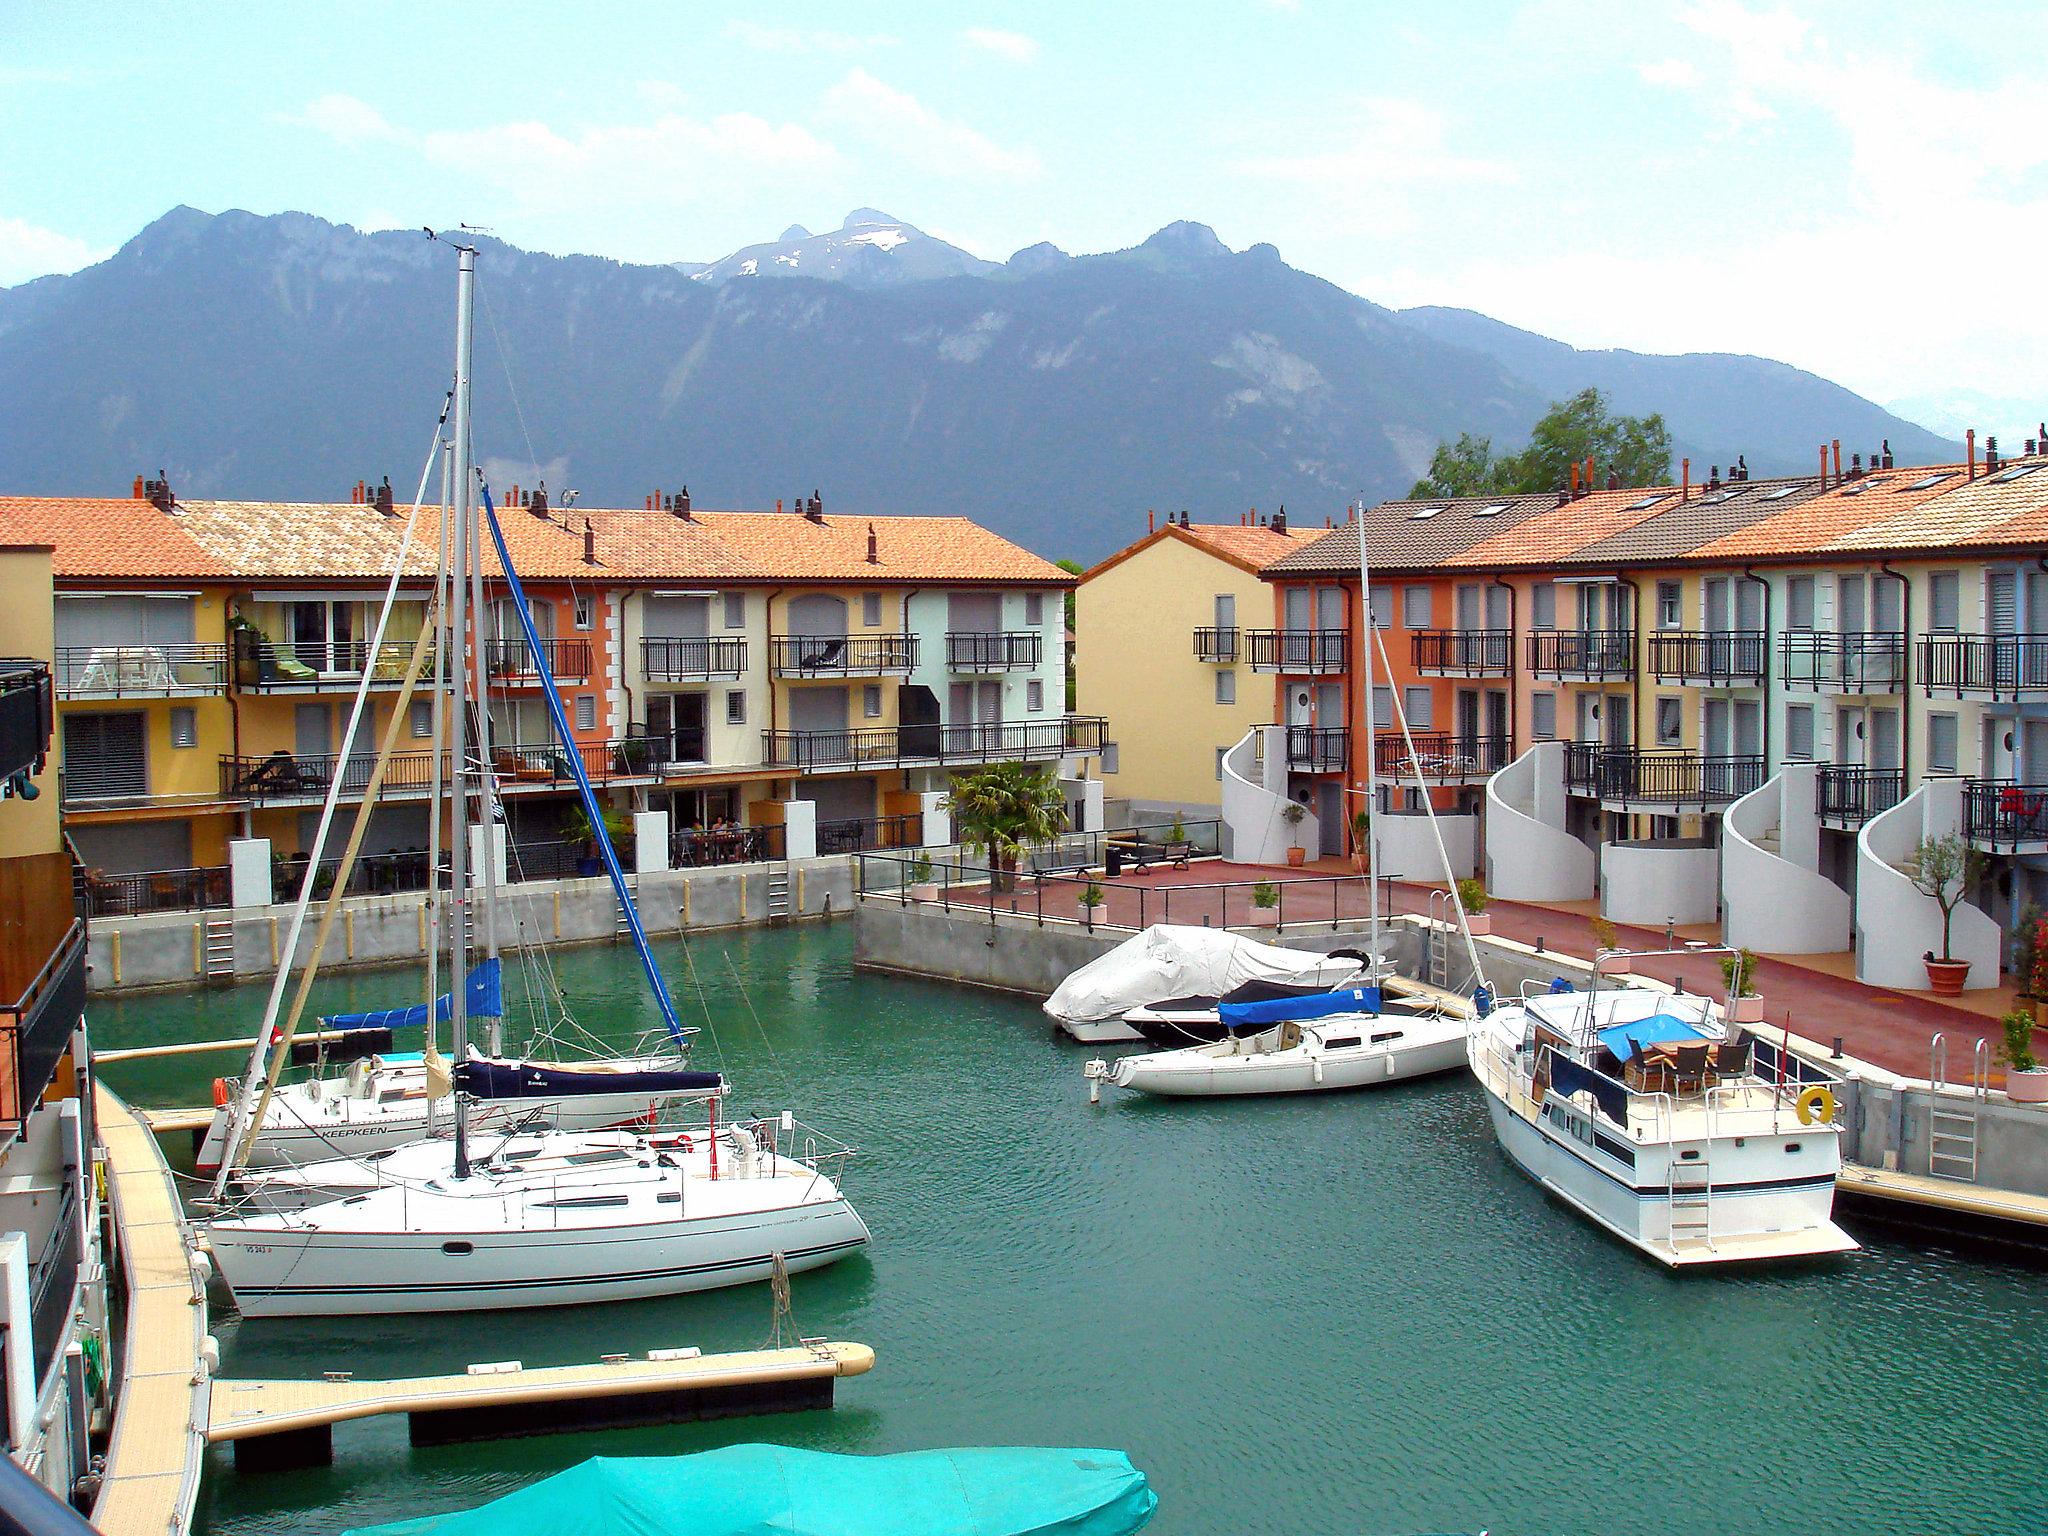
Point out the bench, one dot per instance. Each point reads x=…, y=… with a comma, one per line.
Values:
x=1174, y=854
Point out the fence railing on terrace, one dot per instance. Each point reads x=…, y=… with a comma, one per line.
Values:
x=982, y=742
x=1296, y=650
x=1660, y=775
x=1855, y=661
x=1216, y=643
x=141, y=671
x=261, y=663
x=568, y=660
x=842, y=655
x=1850, y=795
x=1463, y=652
x=1318, y=748
x=1592, y=654
x=1440, y=756
x=684, y=658
x=993, y=651
x=28, y=714
x=156, y=890
x=1731, y=657
x=36, y=1026
x=2004, y=814
x=1998, y=666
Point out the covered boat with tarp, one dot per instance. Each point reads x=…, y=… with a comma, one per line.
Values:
x=1166, y=984
x=773, y=1490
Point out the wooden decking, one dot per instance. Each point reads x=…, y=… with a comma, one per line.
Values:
x=160, y=1412
x=2008, y=1209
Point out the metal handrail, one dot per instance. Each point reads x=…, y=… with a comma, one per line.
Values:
x=1591, y=653
x=1442, y=756
x=2002, y=666
x=1319, y=748
x=1463, y=652
x=993, y=650
x=1853, y=793
x=2002, y=811
x=1713, y=655
x=1660, y=774
x=1297, y=650
x=1216, y=642
x=1858, y=661
x=842, y=655
x=568, y=660
x=681, y=658
x=127, y=670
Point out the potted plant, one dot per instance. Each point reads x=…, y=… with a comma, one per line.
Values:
x=1738, y=972
x=2040, y=987
x=2026, y=1080
x=1942, y=868
x=1294, y=815
x=922, y=886
x=1090, y=898
x=1605, y=937
x=1001, y=808
x=1177, y=849
x=1265, y=904
x=1473, y=898
x=2026, y=948
x=576, y=828
x=1361, y=840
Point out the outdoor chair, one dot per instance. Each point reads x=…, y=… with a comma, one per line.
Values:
x=1689, y=1065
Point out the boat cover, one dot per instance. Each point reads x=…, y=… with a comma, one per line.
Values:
x=483, y=1079
x=1169, y=961
x=773, y=1490
x=484, y=998
x=1657, y=1029
x=1320, y=1006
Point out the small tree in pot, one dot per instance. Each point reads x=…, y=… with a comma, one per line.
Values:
x=1738, y=971
x=1942, y=868
x=2026, y=1080
x=1295, y=814
x=1473, y=898
x=1002, y=808
x=1090, y=899
x=1605, y=937
x=1265, y=904
x=1361, y=839
x=922, y=886
x=618, y=826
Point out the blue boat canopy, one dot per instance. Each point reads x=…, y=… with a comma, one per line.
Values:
x=773, y=1490
x=1320, y=1005
x=485, y=999
x=1657, y=1029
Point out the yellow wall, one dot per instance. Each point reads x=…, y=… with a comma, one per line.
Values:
x=28, y=629
x=1134, y=661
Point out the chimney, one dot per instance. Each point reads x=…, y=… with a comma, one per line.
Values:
x=1280, y=519
x=1887, y=453
x=874, y=550
x=385, y=502
x=1151, y=520
x=817, y=506
x=813, y=510
x=1714, y=478
x=683, y=500
x=1183, y=517
x=1575, y=479
x=1685, y=479
x=778, y=503
x=1742, y=466
x=589, y=543
x=1823, y=466
x=159, y=492
x=1855, y=466
x=137, y=492
x=1588, y=480
x=539, y=503
x=1990, y=454
x=1614, y=479
x=1970, y=447
x=1838, y=460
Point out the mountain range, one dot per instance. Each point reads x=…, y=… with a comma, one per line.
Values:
x=1053, y=397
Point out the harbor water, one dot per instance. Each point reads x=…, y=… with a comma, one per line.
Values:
x=1334, y=1314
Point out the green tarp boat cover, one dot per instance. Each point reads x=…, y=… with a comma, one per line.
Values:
x=772, y=1490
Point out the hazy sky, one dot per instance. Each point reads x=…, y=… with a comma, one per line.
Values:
x=1858, y=188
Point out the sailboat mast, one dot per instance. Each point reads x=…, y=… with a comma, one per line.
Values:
x=1372, y=879
x=458, y=840
x=486, y=787
x=437, y=615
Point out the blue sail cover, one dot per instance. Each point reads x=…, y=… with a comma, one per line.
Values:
x=1657, y=1029
x=1321, y=1005
x=773, y=1490
x=530, y=1080
x=484, y=997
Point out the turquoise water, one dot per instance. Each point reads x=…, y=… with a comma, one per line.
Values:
x=1342, y=1314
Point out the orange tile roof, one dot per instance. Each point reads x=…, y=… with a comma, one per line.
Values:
x=1250, y=548
x=108, y=538
x=1990, y=510
x=1549, y=537
x=786, y=546
x=1821, y=523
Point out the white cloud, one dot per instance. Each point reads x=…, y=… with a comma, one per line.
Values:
x=1381, y=143
x=1014, y=46
x=751, y=34
x=905, y=126
x=29, y=250
x=344, y=119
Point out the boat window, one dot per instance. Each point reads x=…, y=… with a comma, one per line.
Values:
x=1386, y=1034
x=458, y=1248
x=669, y=1197
x=1614, y=1149
x=1689, y=1157
x=583, y=1202
x=1339, y=1044
x=1794, y=1146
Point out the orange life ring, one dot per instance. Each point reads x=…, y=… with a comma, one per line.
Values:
x=220, y=1093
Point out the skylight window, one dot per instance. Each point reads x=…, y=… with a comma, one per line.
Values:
x=1423, y=512
x=1780, y=493
x=1491, y=509
x=1646, y=503
x=2018, y=471
x=1929, y=482
x=1720, y=496
x=1855, y=490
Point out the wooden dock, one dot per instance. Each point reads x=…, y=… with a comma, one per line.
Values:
x=275, y=1424
x=158, y=1443
x=1948, y=1205
x=165, y=1121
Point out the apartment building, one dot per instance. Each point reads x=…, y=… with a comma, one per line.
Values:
x=1198, y=680
x=719, y=667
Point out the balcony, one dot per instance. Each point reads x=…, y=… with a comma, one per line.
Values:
x=692, y=658
x=1989, y=667
x=993, y=651
x=1715, y=658
x=264, y=665
x=1856, y=661
x=2006, y=818
x=1214, y=643
x=141, y=671
x=843, y=655
x=1850, y=795
x=1318, y=748
x=509, y=663
x=36, y=1027
x=1585, y=656
x=285, y=779
x=1296, y=650
x=893, y=746
x=1664, y=779
x=1441, y=758
x=27, y=716
x=865, y=834
x=1463, y=652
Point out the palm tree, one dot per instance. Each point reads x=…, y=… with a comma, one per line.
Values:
x=1001, y=808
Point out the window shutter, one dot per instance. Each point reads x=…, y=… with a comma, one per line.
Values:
x=1944, y=605
x=1543, y=716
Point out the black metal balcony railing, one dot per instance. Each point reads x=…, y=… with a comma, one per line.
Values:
x=1998, y=666
x=127, y=671
x=843, y=655
x=157, y=890
x=1855, y=661
x=512, y=660
x=689, y=658
x=1440, y=756
x=2004, y=814
x=28, y=713
x=865, y=834
x=1296, y=650
x=993, y=651
x=1214, y=643
x=1592, y=655
x=1660, y=775
x=1463, y=652
x=261, y=663
x=883, y=746
x=36, y=1027
x=1319, y=748
x=53, y=1281
x=1729, y=658
x=283, y=776
x=1850, y=794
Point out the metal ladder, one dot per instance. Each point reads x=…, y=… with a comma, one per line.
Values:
x=779, y=906
x=1952, y=1132
x=217, y=948
x=1436, y=940
x=622, y=929
x=1692, y=1197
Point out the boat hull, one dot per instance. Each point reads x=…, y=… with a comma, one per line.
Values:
x=1291, y=1071
x=1100, y=1031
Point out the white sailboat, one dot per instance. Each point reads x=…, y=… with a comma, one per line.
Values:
x=591, y=1216
x=1645, y=1113
x=1318, y=1044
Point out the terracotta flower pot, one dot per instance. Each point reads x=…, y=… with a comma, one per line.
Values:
x=1478, y=924
x=2027, y=1087
x=1749, y=1010
x=1296, y=857
x=1945, y=978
